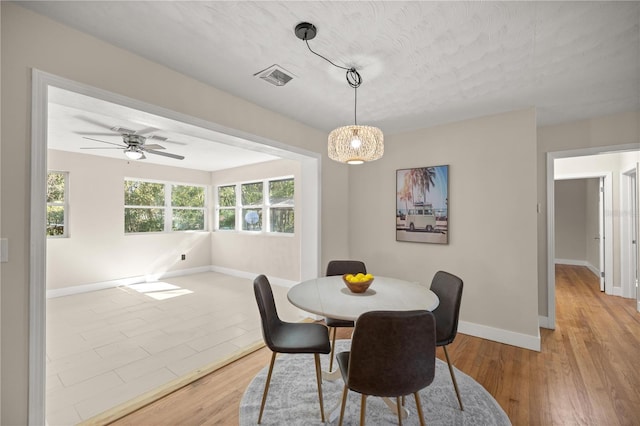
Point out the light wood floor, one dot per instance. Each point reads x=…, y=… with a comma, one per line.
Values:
x=588, y=372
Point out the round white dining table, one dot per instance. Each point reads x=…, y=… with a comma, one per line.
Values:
x=330, y=297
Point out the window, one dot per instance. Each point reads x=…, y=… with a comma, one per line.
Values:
x=143, y=206
x=57, y=208
x=266, y=206
x=281, y=205
x=159, y=207
x=188, y=208
x=227, y=207
x=252, y=197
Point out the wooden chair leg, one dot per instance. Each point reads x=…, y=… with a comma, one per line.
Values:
x=266, y=386
x=419, y=406
x=319, y=380
x=333, y=347
x=453, y=378
x=403, y=400
x=344, y=403
x=399, y=410
x=363, y=408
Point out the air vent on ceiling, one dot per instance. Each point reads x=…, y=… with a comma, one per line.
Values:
x=275, y=75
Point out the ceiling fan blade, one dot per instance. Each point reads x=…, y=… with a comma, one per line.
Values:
x=145, y=130
x=98, y=147
x=97, y=134
x=110, y=143
x=153, y=146
x=165, y=154
x=176, y=142
x=94, y=122
x=163, y=139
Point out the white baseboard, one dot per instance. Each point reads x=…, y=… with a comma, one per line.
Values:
x=610, y=289
x=252, y=275
x=502, y=336
x=544, y=322
x=575, y=262
x=593, y=269
x=86, y=288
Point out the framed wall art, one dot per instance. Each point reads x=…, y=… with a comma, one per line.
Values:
x=422, y=205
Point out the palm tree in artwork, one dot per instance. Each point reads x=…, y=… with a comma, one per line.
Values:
x=413, y=180
x=428, y=177
x=422, y=179
x=406, y=194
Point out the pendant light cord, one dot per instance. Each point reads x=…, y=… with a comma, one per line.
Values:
x=353, y=78
x=355, y=106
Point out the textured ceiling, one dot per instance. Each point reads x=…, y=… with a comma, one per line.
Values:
x=422, y=63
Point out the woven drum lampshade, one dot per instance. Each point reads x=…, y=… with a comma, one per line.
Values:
x=356, y=144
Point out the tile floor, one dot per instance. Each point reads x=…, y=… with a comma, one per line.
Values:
x=110, y=346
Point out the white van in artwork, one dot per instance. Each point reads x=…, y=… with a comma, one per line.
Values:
x=421, y=217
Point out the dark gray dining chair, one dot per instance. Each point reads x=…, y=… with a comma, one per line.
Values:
x=286, y=337
x=448, y=288
x=393, y=354
x=341, y=267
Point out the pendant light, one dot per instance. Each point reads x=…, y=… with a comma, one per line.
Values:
x=354, y=144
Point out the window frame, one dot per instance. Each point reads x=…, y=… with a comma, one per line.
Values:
x=169, y=195
x=244, y=207
x=168, y=206
x=269, y=206
x=265, y=206
x=219, y=207
x=64, y=205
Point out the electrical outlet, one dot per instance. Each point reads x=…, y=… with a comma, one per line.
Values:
x=184, y=257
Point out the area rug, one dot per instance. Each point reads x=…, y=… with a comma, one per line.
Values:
x=293, y=398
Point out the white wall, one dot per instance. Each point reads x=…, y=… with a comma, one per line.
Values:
x=276, y=255
x=619, y=129
x=97, y=248
x=32, y=41
x=571, y=219
x=492, y=219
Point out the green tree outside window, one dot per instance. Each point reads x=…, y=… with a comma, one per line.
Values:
x=56, y=204
x=281, y=201
x=190, y=218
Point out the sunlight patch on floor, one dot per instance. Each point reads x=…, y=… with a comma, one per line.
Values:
x=159, y=290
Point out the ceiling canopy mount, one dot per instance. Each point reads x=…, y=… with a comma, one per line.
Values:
x=306, y=31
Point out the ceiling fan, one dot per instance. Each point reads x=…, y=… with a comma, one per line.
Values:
x=133, y=142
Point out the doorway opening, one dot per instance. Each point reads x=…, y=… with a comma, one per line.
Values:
x=593, y=171
x=584, y=223
x=42, y=84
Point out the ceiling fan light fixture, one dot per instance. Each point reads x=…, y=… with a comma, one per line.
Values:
x=133, y=153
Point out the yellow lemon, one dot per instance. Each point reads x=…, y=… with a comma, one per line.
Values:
x=360, y=275
x=368, y=277
x=348, y=277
